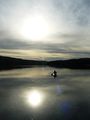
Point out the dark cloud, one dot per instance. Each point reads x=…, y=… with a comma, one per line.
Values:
x=12, y=44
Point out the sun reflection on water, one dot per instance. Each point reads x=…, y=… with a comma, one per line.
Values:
x=34, y=98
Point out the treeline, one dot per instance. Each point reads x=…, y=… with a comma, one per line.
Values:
x=82, y=63
x=11, y=63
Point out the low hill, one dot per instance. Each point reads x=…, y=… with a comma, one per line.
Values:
x=10, y=63
x=82, y=63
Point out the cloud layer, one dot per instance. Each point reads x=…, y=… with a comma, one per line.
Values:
x=70, y=21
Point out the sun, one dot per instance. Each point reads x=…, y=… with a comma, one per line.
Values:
x=35, y=28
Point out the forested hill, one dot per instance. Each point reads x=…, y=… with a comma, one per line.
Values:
x=11, y=63
x=82, y=63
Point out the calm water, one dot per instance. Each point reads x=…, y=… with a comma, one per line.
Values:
x=32, y=94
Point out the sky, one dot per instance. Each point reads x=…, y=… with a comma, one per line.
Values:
x=45, y=29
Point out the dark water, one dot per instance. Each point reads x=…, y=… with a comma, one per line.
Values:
x=32, y=94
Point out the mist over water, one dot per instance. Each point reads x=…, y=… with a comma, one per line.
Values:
x=33, y=94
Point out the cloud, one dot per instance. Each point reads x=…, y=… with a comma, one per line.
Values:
x=73, y=14
x=70, y=21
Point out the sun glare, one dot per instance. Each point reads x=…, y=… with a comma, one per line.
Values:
x=35, y=28
x=34, y=98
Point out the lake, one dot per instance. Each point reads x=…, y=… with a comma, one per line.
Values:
x=33, y=94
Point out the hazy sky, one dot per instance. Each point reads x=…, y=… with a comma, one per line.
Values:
x=64, y=24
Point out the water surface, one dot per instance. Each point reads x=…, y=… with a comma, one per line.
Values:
x=32, y=94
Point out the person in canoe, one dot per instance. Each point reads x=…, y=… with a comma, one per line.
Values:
x=54, y=74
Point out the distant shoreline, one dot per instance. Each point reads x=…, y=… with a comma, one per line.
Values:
x=7, y=63
x=82, y=63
